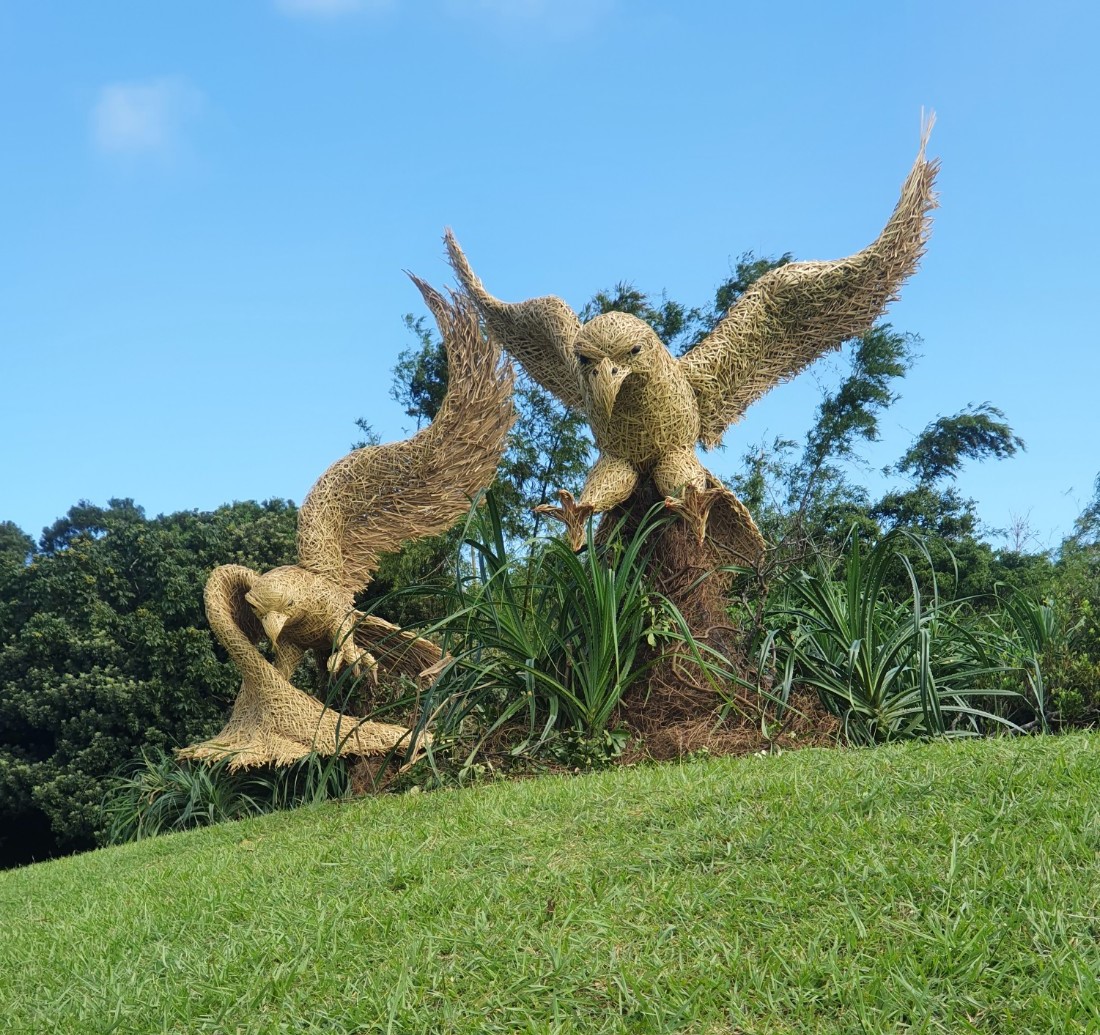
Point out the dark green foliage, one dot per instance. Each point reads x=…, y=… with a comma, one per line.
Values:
x=1071, y=659
x=427, y=565
x=160, y=794
x=370, y=436
x=16, y=546
x=976, y=433
x=941, y=512
x=809, y=497
x=669, y=319
x=1087, y=528
x=892, y=665
x=105, y=651
x=549, y=449
x=878, y=358
x=420, y=376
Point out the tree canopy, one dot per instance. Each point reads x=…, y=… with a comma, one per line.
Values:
x=105, y=651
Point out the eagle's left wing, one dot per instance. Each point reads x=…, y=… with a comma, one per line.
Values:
x=796, y=313
x=376, y=498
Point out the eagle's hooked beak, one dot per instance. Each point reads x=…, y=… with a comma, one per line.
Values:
x=273, y=623
x=607, y=379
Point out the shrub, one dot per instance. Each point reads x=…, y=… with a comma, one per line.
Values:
x=105, y=652
x=549, y=640
x=1052, y=641
x=161, y=794
x=892, y=669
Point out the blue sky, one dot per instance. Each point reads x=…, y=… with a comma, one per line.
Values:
x=205, y=209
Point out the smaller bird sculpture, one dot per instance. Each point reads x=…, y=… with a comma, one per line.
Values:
x=370, y=502
x=648, y=410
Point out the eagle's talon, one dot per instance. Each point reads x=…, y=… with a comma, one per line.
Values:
x=694, y=507
x=361, y=663
x=572, y=514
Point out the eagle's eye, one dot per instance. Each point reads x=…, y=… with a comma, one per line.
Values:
x=634, y=351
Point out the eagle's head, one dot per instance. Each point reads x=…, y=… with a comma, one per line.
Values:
x=612, y=347
x=275, y=599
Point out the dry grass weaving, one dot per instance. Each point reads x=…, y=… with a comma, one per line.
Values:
x=371, y=501
x=649, y=410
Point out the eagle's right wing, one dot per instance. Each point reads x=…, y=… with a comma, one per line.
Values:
x=796, y=313
x=539, y=333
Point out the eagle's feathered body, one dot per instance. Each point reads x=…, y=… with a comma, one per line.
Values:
x=369, y=502
x=648, y=410
x=628, y=433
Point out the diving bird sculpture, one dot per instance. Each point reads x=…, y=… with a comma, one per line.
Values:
x=370, y=502
x=648, y=410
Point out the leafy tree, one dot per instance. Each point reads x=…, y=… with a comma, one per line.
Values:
x=1086, y=530
x=105, y=650
x=549, y=449
x=1072, y=670
x=16, y=546
x=672, y=322
x=420, y=376
x=976, y=433
x=809, y=499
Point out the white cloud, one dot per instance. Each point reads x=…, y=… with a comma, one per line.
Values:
x=329, y=8
x=144, y=118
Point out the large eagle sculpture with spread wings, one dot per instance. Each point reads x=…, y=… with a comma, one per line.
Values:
x=648, y=410
x=368, y=503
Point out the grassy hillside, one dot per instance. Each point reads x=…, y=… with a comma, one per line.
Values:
x=925, y=888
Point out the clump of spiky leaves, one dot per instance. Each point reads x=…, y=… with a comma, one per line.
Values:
x=162, y=793
x=890, y=669
x=544, y=642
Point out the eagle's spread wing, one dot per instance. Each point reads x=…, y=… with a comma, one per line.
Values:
x=376, y=498
x=539, y=333
x=796, y=313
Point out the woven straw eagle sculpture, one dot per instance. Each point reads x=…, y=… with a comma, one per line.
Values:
x=368, y=503
x=648, y=410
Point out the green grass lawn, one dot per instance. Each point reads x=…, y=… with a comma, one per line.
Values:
x=925, y=888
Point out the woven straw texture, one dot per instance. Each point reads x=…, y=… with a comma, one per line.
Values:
x=648, y=410
x=369, y=502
